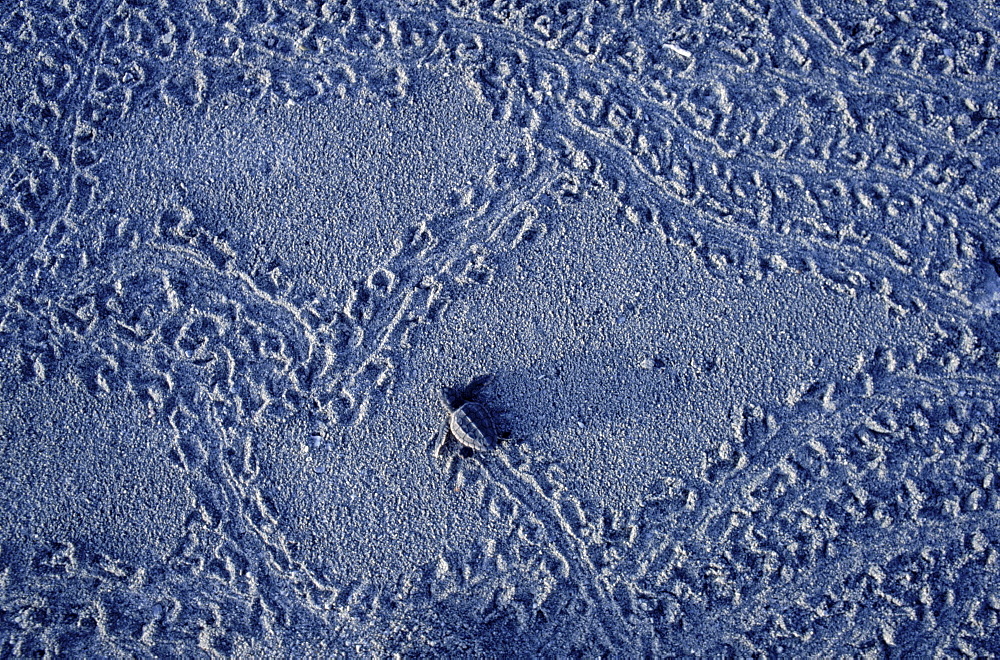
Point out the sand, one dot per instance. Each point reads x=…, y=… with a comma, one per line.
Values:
x=734, y=267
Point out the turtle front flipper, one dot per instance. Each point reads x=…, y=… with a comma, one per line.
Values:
x=440, y=440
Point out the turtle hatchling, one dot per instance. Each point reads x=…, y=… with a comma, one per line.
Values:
x=469, y=421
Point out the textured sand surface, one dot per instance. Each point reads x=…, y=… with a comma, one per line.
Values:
x=733, y=266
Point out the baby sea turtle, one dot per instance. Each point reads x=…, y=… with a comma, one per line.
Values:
x=469, y=422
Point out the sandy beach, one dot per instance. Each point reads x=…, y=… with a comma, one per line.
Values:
x=733, y=268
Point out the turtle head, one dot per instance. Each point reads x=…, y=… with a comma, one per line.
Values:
x=449, y=397
x=454, y=398
x=476, y=385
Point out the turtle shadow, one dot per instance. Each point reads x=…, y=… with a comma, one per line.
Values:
x=587, y=392
x=581, y=391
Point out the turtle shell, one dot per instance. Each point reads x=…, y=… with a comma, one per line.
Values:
x=472, y=426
